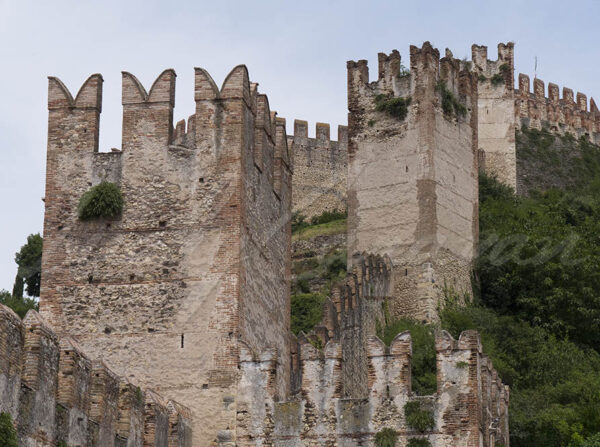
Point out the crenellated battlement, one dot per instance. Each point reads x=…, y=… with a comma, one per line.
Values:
x=561, y=114
x=320, y=166
x=470, y=405
x=55, y=393
x=426, y=69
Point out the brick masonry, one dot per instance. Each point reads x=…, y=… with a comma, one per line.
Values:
x=57, y=394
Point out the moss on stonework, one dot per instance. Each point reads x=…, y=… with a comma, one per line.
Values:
x=386, y=437
x=419, y=442
x=418, y=418
x=102, y=200
x=451, y=106
x=8, y=433
x=395, y=107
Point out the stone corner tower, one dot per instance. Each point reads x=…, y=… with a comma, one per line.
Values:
x=199, y=261
x=412, y=180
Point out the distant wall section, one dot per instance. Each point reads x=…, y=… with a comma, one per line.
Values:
x=320, y=169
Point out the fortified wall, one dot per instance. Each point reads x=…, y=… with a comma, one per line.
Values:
x=199, y=258
x=188, y=290
x=320, y=169
x=412, y=180
x=558, y=114
x=59, y=396
x=355, y=386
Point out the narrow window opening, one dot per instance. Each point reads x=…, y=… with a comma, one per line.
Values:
x=405, y=272
x=407, y=169
x=181, y=341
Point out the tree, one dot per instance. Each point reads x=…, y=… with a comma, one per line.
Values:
x=29, y=260
x=19, y=304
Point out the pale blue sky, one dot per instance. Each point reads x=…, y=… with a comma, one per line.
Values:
x=296, y=51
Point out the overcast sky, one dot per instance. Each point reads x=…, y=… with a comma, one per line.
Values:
x=295, y=50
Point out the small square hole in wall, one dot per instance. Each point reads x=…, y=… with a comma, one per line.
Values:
x=162, y=223
x=201, y=180
x=205, y=386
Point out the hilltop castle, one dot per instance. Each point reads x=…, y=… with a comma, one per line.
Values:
x=187, y=293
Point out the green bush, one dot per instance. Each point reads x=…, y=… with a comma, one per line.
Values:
x=298, y=221
x=417, y=418
x=328, y=216
x=19, y=304
x=497, y=79
x=424, y=370
x=8, y=433
x=450, y=104
x=395, y=107
x=102, y=200
x=420, y=442
x=386, y=437
x=307, y=311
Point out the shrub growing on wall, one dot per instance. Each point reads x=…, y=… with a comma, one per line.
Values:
x=386, y=438
x=396, y=107
x=417, y=418
x=8, y=433
x=102, y=200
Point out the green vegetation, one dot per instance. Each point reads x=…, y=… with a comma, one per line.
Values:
x=395, y=107
x=327, y=223
x=450, y=104
x=29, y=271
x=386, y=437
x=8, y=433
x=61, y=443
x=19, y=304
x=538, y=305
x=371, y=123
x=421, y=442
x=504, y=68
x=482, y=78
x=497, y=79
x=547, y=161
x=424, y=379
x=418, y=418
x=326, y=229
x=307, y=311
x=102, y=200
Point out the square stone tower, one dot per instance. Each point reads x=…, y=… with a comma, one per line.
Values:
x=199, y=261
x=412, y=174
x=496, y=117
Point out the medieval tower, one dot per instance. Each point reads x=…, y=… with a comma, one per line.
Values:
x=199, y=259
x=412, y=179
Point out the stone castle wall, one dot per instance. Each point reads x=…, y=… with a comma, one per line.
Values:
x=320, y=169
x=495, y=103
x=56, y=394
x=559, y=115
x=200, y=257
x=412, y=183
x=470, y=407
